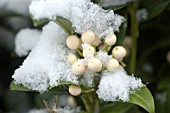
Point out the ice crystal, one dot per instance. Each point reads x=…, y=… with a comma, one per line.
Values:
x=103, y=57
x=25, y=41
x=38, y=111
x=117, y=85
x=46, y=63
x=107, y=3
x=83, y=14
x=67, y=110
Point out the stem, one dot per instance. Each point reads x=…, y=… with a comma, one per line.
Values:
x=85, y=103
x=134, y=34
x=87, y=91
x=122, y=63
x=79, y=52
x=105, y=47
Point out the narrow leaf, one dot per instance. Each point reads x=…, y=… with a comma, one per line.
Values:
x=143, y=98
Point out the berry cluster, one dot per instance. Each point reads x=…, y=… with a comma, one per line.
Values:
x=87, y=47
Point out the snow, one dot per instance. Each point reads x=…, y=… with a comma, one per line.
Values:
x=26, y=39
x=46, y=63
x=83, y=14
x=87, y=78
x=58, y=110
x=55, y=8
x=103, y=57
x=67, y=110
x=107, y=3
x=117, y=86
x=38, y=111
x=141, y=14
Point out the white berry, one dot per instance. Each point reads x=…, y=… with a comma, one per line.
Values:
x=112, y=65
x=96, y=42
x=71, y=58
x=74, y=90
x=110, y=39
x=78, y=68
x=95, y=65
x=119, y=53
x=73, y=42
x=71, y=102
x=88, y=37
x=87, y=50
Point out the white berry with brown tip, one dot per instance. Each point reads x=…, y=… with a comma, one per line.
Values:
x=74, y=90
x=71, y=58
x=73, y=42
x=78, y=68
x=88, y=37
x=119, y=53
x=111, y=39
x=112, y=65
x=88, y=50
x=95, y=65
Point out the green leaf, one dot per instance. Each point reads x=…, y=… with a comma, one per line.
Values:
x=14, y=86
x=37, y=23
x=156, y=7
x=17, y=87
x=122, y=33
x=117, y=107
x=112, y=6
x=65, y=24
x=59, y=89
x=143, y=98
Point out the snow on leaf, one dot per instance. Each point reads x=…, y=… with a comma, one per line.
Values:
x=117, y=86
x=46, y=63
x=83, y=14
